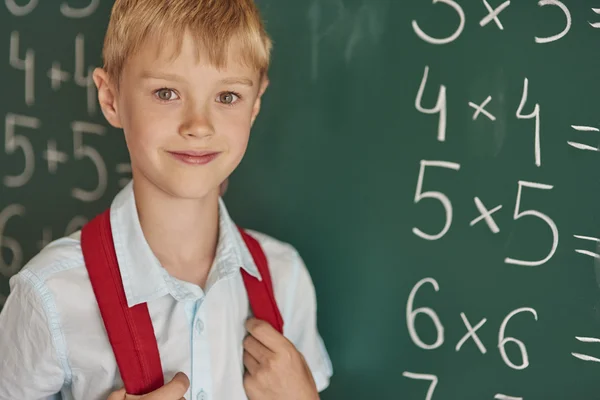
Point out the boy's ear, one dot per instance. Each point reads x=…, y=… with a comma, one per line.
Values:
x=107, y=97
x=264, y=83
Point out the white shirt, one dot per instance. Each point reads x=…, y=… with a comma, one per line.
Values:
x=52, y=338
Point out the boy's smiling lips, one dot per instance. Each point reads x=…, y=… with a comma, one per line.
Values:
x=194, y=157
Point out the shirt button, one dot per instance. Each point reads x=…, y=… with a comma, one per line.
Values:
x=202, y=395
x=199, y=328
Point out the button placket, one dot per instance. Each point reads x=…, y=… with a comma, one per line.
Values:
x=199, y=326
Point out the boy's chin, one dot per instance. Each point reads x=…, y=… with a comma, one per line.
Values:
x=191, y=191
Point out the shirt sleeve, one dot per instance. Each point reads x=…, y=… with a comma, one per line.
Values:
x=29, y=365
x=300, y=324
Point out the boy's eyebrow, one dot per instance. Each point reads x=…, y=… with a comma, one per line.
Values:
x=161, y=75
x=173, y=77
x=241, y=81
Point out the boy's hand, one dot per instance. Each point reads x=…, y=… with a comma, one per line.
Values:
x=275, y=370
x=173, y=390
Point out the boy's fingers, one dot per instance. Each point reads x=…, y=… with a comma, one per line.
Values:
x=250, y=385
x=251, y=364
x=266, y=334
x=122, y=395
x=256, y=349
x=118, y=395
x=173, y=390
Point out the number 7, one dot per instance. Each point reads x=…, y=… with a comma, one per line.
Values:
x=427, y=377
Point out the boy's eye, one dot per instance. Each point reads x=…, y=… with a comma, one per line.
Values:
x=227, y=98
x=166, y=94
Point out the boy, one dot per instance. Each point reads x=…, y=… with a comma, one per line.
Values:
x=184, y=80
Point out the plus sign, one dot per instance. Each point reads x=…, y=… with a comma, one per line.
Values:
x=57, y=76
x=54, y=157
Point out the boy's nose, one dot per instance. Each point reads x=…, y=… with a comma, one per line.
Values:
x=197, y=126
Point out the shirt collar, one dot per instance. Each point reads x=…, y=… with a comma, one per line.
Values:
x=144, y=278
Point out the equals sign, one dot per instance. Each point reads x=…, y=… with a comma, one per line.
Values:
x=581, y=128
x=595, y=24
x=587, y=252
x=585, y=357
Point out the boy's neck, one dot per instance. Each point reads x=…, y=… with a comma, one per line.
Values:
x=182, y=234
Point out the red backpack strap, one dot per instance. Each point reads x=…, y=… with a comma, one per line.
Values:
x=260, y=293
x=129, y=330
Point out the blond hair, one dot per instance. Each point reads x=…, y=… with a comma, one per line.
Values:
x=212, y=23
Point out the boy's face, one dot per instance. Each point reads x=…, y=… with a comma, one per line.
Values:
x=186, y=123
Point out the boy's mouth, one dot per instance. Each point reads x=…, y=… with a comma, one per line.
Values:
x=192, y=157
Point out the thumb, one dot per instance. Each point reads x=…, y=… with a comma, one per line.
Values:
x=173, y=390
x=118, y=395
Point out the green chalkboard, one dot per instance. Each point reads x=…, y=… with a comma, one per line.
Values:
x=435, y=163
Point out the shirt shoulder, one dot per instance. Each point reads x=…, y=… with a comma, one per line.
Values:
x=285, y=263
x=276, y=250
x=60, y=255
x=289, y=273
x=58, y=276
